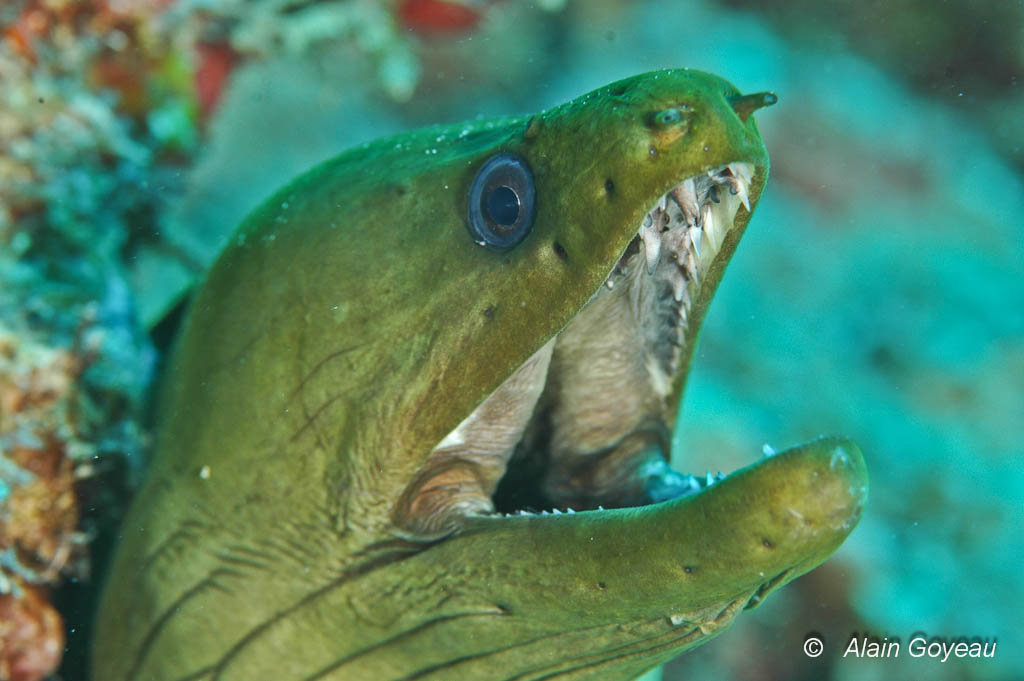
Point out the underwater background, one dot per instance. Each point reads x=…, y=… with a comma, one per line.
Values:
x=877, y=294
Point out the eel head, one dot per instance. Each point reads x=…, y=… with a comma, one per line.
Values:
x=423, y=406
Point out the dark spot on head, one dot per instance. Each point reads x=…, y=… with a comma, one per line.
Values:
x=767, y=544
x=489, y=311
x=609, y=186
x=652, y=152
x=620, y=90
x=401, y=190
x=532, y=128
x=688, y=569
x=41, y=100
x=560, y=251
x=602, y=585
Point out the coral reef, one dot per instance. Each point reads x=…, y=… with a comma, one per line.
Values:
x=38, y=504
x=95, y=130
x=31, y=635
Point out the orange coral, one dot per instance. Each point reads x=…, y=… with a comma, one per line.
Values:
x=40, y=517
x=31, y=635
x=38, y=509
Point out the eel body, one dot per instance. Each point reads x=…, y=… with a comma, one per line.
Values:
x=417, y=423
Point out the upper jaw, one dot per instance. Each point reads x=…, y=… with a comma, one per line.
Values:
x=672, y=266
x=593, y=401
x=681, y=236
x=691, y=219
x=623, y=359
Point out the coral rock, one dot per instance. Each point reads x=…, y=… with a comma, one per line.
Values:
x=31, y=635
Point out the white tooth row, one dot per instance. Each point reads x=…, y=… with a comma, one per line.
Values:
x=688, y=214
x=705, y=481
x=695, y=482
x=556, y=511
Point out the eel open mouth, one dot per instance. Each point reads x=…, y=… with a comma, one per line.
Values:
x=586, y=422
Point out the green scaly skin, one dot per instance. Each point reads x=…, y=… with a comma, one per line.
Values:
x=350, y=325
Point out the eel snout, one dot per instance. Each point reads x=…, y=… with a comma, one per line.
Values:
x=608, y=594
x=738, y=539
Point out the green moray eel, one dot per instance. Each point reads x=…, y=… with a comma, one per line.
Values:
x=417, y=423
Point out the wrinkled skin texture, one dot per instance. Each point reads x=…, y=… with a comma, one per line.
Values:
x=350, y=325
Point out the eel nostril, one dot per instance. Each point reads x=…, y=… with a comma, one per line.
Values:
x=744, y=105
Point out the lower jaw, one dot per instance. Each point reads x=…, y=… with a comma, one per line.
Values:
x=739, y=538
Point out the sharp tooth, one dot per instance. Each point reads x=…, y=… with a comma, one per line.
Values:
x=678, y=283
x=556, y=512
x=686, y=196
x=609, y=283
x=570, y=510
x=691, y=265
x=696, y=236
x=710, y=227
x=743, y=171
x=740, y=188
x=744, y=174
x=652, y=248
x=742, y=191
x=768, y=450
x=709, y=479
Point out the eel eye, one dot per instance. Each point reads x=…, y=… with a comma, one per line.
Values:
x=502, y=202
